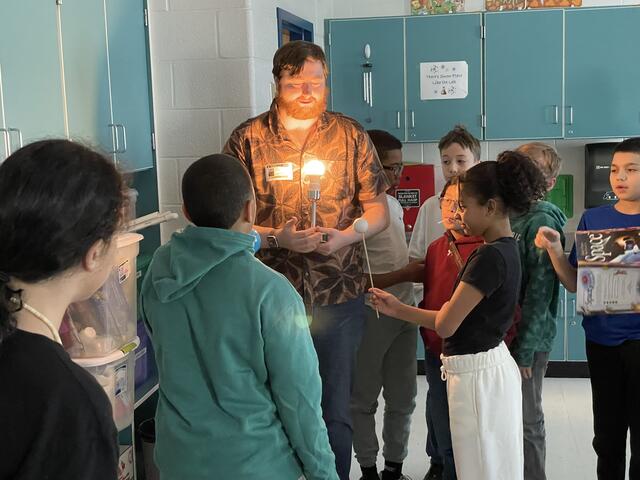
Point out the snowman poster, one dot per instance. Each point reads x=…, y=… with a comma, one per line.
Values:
x=444, y=80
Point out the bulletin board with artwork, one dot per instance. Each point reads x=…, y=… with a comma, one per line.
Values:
x=502, y=5
x=433, y=7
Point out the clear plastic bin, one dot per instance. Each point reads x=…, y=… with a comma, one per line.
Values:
x=115, y=373
x=131, y=199
x=145, y=362
x=128, y=248
x=105, y=322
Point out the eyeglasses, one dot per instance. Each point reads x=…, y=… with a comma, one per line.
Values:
x=396, y=169
x=449, y=204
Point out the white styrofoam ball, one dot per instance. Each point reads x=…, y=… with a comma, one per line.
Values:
x=360, y=225
x=89, y=332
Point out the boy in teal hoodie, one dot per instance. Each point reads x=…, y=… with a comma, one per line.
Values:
x=539, y=308
x=239, y=383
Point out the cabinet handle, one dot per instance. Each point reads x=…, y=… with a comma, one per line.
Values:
x=413, y=119
x=556, y=115
x=570, y=122
x=114, y=138
x=398, y=119
x=6, y=142
x=371, y=89
x=365, y=87
x=124, y=137
x=17, y=130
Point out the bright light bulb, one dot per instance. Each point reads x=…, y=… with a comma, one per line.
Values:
x=313, y=168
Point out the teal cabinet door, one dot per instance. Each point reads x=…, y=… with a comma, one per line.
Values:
x=444, y=75
x=86, y=68
x=576, y=346
x=420, y=348
x=30, y=73
x=523, y=74
x=127, y=40
x=4, y=133
x=558, y=350
x=602, y=72
x=366, y=64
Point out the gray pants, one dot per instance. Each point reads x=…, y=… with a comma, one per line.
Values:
x=533, y=419
x=386, y=361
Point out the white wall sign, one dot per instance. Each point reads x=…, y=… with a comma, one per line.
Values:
x=444, y=80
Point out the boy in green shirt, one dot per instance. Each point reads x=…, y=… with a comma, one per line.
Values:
x=239, y=383
x=539, y=303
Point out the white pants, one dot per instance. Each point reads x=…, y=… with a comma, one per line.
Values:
x=485, y=411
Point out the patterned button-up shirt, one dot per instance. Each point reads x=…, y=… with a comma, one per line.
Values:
x=353, y=175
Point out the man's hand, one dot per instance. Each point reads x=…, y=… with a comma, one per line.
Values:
x=526, y=372
x=548, y=239
x=301, y=241
x=337, y=240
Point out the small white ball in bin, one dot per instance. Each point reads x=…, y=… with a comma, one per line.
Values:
x=361, y=225
x=88, y=332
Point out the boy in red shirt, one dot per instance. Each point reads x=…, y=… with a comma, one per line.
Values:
x=445, y=257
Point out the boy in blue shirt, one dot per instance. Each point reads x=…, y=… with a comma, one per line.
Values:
x=613, y=341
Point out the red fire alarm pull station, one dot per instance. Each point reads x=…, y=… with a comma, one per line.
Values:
x=416, y=185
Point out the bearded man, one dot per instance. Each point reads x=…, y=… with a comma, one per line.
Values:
x=323, y=262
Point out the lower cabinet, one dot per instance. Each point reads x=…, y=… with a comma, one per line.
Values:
x=569, y=344
x=420, y=349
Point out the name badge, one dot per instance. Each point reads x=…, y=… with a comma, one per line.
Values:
x=279, y=171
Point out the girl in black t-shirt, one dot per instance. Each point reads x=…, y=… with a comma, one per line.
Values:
x=483, y=381
x=60, y=206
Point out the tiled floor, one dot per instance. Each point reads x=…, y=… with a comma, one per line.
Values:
x=567, y=406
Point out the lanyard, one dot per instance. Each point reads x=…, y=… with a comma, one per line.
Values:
x=453, y=250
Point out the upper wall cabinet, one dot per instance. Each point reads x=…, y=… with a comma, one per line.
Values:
x=523, y=74
x=444, y=75
x=555, y=73
x=408, y=76
x=31, y=102
x=602, y=85
x=367, y=72
x=130, y=86
x=99, y=48
x=86, y=69
x=105, y=67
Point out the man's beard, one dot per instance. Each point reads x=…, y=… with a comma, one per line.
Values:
x=299, y=112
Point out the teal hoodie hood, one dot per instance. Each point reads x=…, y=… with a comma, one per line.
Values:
x=192, y=254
